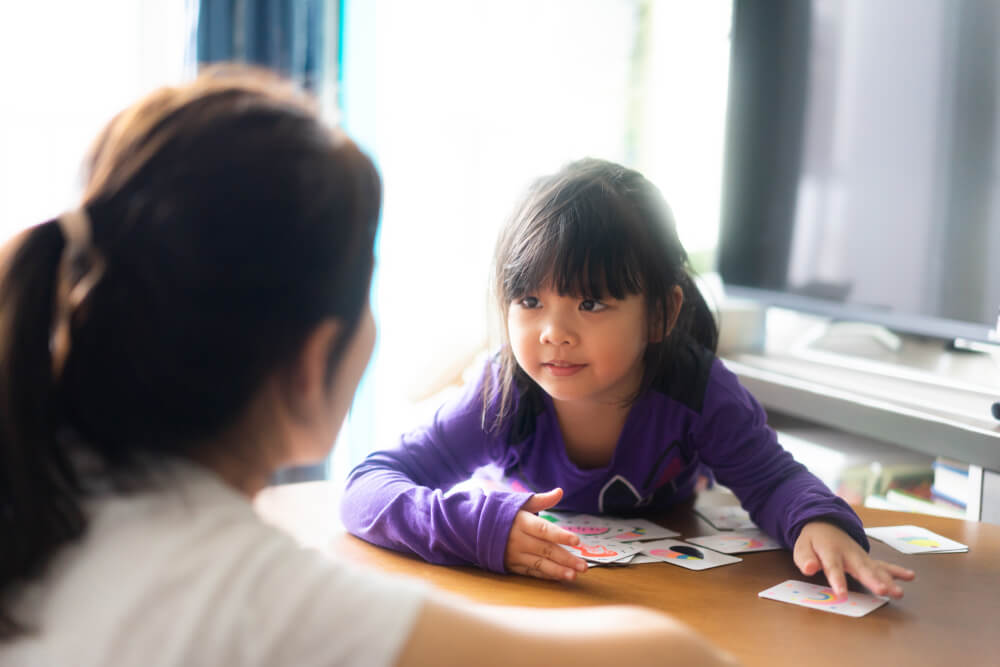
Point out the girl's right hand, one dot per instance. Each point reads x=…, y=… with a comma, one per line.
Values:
x=533, y=546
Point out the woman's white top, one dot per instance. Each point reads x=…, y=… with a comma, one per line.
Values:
x=189, y=575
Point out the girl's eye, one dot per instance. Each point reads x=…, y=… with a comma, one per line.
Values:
x=528, y=302
x=592, y=305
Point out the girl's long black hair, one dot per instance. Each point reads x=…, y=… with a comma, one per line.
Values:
x=596, y=228
x=231, y=221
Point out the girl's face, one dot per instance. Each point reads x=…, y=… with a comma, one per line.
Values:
x=580, y=348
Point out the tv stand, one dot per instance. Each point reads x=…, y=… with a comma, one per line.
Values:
x=916, y=394
x=833, y=334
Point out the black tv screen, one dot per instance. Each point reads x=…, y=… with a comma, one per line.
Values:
x=862, y=163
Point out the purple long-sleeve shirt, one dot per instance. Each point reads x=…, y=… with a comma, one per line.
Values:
x=700, y=416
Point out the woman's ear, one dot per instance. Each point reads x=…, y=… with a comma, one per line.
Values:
x=306, y=388
x=316, y=404
x=660, y=330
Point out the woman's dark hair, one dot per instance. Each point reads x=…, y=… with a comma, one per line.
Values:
x=230, y=222
x=596, y=228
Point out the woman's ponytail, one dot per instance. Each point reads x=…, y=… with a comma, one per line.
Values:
x=39, y=490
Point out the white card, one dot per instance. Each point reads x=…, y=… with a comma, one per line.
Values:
x=822, y=598
x=556, y=517
x=640, y=559
x=686, y=555
x=737, y=542
x=915, y=540
x=641, y=529
x=727, y=517
x=624, y=561
x=600, y=550
x=584, y=525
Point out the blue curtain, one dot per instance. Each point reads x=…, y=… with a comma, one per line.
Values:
x=284, y=35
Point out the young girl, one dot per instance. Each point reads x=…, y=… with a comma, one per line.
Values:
x=605, y=397
x=200, y=320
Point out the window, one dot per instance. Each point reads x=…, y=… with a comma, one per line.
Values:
x=469, y=102
x=67, y=68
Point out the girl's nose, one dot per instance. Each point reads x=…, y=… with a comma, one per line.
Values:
x=555, y=332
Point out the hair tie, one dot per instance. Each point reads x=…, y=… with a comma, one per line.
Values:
x=80, y=267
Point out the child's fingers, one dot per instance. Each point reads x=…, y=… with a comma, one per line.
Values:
x=533, y=549
x=900, y=572
x=805, y=557
x=542, y=559
x=879, y=577
x=542, y=501
x=551, y=551
x=525, y=549
x=544, y=530
x=873, y=576
x=543, y=569
x=833, y=568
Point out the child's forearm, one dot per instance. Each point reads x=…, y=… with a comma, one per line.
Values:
x=391, y=511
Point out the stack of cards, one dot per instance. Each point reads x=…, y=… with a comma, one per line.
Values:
x=608, y=540
x=916, y=540
x=822, y=598
x=597, y=551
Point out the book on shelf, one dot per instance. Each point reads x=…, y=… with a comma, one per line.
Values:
x=903, y=501
x=951, y=481
x=859, y=482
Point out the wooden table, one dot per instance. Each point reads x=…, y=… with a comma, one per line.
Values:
x=950, y=614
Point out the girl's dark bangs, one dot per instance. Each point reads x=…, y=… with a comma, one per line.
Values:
x=584, y=250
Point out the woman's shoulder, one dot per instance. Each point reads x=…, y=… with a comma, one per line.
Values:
x=191, y=566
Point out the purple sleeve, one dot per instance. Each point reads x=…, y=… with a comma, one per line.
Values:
x=400, y=498
x=743, y=452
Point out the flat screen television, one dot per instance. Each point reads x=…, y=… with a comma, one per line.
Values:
x=862, y=162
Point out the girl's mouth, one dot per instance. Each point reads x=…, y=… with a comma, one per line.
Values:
x=562, y=368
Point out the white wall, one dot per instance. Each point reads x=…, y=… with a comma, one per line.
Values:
x=67, y=67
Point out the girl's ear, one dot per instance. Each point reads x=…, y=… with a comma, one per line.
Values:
x=661, y=330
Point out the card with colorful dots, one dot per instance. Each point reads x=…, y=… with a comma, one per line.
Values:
x=686, y=555
x=823, y=599
x=915, y=540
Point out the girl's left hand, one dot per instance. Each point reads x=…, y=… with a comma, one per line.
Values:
x=822, y=545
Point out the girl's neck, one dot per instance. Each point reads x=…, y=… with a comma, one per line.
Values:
x=590, y=431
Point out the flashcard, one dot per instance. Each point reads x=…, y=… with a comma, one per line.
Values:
x=640, y=529
x=737, y=542
x=556, y=517
x=582, y=524
x=915, y=540
x=686, y=555
x=822, y=598
x=601, y=551
x=728, y=517
x=624, y=561
x=640, y=559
